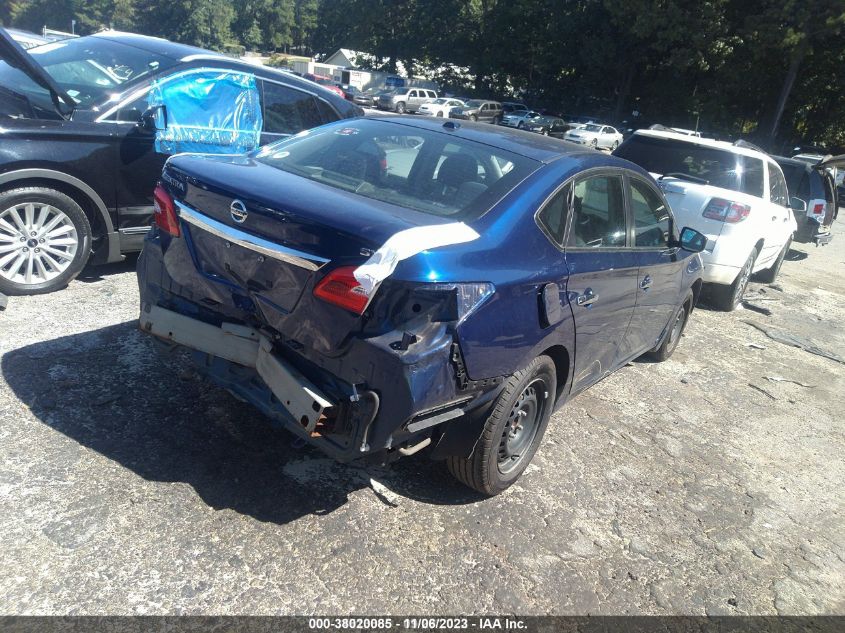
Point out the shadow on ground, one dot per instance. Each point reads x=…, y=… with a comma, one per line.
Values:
x=94, y=273
x=110, y=390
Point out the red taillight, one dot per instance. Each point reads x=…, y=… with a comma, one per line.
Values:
x=726, y=211
x=165, y=212
x=818, y=209
x=342, y=289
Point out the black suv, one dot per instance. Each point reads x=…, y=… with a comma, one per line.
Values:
x=81, y=149
x=813, y=196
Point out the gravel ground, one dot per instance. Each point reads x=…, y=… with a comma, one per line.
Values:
x=705, y=484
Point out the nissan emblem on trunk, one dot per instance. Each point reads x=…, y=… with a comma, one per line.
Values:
x=238, y=211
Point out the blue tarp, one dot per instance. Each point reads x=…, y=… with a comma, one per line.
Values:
x=209, y=111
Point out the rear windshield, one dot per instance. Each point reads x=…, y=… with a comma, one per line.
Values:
x=423, y=170
x=696, y=163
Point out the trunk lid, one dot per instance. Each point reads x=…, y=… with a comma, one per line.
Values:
x=269, y=234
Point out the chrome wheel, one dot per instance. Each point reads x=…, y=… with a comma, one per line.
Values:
x=38, y=242
x=521, y=427
x=742, y=281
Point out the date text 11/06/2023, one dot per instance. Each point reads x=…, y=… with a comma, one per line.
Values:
x=485, y=623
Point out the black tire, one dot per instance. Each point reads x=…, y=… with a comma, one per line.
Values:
x=520, y=125
x=727, y=298
x=614, y=146
x=676, y=329
x=440, y=114
x=769, y=275
x=400, y=107
x=80, y=235
x=473, y=117
x=545, y=132
x=492, y=467
x=594, y=143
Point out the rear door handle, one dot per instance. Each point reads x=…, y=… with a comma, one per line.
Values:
x=645, y=284
x=587, y=299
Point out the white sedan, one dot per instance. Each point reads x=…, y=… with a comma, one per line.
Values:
x=595, y=136
x=440, y=107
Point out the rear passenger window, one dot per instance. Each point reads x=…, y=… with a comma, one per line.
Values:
x=553, y=216
x=288, y=111
x=752, y=177
x=778, y=192
x=598, y=213
x=651, y=218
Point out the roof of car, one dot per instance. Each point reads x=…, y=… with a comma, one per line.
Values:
x=157, y=45
x=795, y=162
x=706, y=142
x=536, y=146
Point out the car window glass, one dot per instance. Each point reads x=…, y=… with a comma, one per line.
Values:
x=423, y=170
x=412, y=94
x=327, y=113
x=598, y=213
x=752, y=176
x=288, y=111
x=432, y=94
x=130, y=112
x=778, y=192
x=554, y=214
x=651, y=218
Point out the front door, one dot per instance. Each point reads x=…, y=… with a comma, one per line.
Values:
x=602, y=276
x=660, y=274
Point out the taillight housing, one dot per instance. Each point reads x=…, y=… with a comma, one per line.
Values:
x=818, y=209
x=165, y=212
x=726, y=210
x=341, y=288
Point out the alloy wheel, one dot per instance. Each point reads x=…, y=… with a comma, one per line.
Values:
x=745, y=275
x=37, y=243
x=521, y=427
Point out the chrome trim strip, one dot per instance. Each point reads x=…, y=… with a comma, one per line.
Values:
x=247, y=240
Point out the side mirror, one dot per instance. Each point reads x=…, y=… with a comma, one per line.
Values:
x=798, y=204
x=691, y=240
x=154, y=119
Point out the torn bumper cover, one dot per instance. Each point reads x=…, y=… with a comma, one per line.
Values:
x=344, y=420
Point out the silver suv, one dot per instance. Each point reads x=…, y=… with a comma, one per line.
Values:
x=404, y=100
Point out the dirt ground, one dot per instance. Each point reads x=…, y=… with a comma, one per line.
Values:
x=712, y=483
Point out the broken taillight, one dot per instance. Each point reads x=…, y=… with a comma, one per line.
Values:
x=726, y=210
x=342, y=289
x=165, y=212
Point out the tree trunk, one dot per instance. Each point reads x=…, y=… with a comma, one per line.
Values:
x=786, y=89
x=624, y=91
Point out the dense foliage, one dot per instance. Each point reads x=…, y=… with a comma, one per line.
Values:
x=772, y=70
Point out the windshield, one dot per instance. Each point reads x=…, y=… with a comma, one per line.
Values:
x=592, y=128
x=89, y=69
x=717, y=167
x=439, y=101
x=474, y=104
x=423, y=170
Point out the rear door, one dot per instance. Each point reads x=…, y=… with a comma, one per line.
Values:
x=660, y=273
x=602, y=285
x=782, y=220
x=287, y=111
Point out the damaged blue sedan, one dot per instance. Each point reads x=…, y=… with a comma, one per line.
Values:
x=384, y=286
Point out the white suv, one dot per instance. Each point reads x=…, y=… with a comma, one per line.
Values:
x=736, y=195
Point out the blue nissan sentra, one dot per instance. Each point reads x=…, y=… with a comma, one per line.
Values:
x=389, y=285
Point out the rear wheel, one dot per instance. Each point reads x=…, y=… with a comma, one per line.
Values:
x=676, y=329
x=512, y=432
x=45, y=240
x=727, y=298
x=400, y=107
x=770, y=274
